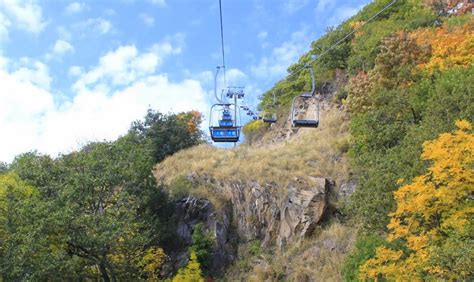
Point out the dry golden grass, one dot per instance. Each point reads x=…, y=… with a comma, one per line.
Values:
x=309, y=153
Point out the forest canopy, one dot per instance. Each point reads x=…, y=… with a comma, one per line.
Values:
x=95, y=212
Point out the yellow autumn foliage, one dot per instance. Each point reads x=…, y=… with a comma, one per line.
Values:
x=253, y=126
x=357, y=25
x=151, y=262
x=192, y=272
x=432, y=211
x=449, y=46
x=12, y=192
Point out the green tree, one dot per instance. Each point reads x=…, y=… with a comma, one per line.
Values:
x=151, y=262
x=32, y=247
x=337, y=57
x=167, y=134
x=99, y=208
x=14, y=199
x=3, y=167
x=103, y=228
x=202, y=246
x=41, y=171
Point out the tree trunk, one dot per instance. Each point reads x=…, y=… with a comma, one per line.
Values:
x=103, y=272
x=111, y=271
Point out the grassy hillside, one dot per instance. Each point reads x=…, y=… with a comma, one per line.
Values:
x=309, y=153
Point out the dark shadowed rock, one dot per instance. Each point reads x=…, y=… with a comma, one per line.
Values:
x=189, y=212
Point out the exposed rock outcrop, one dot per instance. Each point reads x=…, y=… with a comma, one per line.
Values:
x=189, y=212
x=303, y=210
x=274, y=216
x=346, y=190
x=277, y=217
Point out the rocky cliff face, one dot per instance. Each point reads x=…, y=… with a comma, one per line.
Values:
x=189, y=212
x=302, y=210
x=254, y=212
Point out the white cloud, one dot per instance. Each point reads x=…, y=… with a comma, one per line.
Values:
x=99, y=25
x=171, y=45
x=4, y=26
x=33, y=72
x=75, y=71
x=125, y=65
x=61, y=47
x=324, y=5
x=281, y=57
x=119, y=67
x=74, y=8
x=262, y=35
x=206, y=78
x=103, y=26
x=292, y=6
x=3, y=63
x=161, y=3
x=31, y=120
x=21, y=107
x=235, y=77
x=25, y=15
x=110, y=12
x=63, y=33
x=96, y=114
x=147, y=19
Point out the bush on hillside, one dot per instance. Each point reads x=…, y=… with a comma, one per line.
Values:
x=433, y=220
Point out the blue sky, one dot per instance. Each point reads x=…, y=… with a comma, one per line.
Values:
x=73, y=72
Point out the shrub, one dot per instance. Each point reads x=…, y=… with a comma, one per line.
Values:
x=364, y=249
x=433, y=219
x=202, y=247
x=255, y=247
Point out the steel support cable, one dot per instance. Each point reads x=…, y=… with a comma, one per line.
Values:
x=215, y=86
x=222, y=42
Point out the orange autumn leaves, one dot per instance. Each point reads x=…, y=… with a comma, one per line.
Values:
x=431, y=210
x=450, y=46
x=192, y=119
